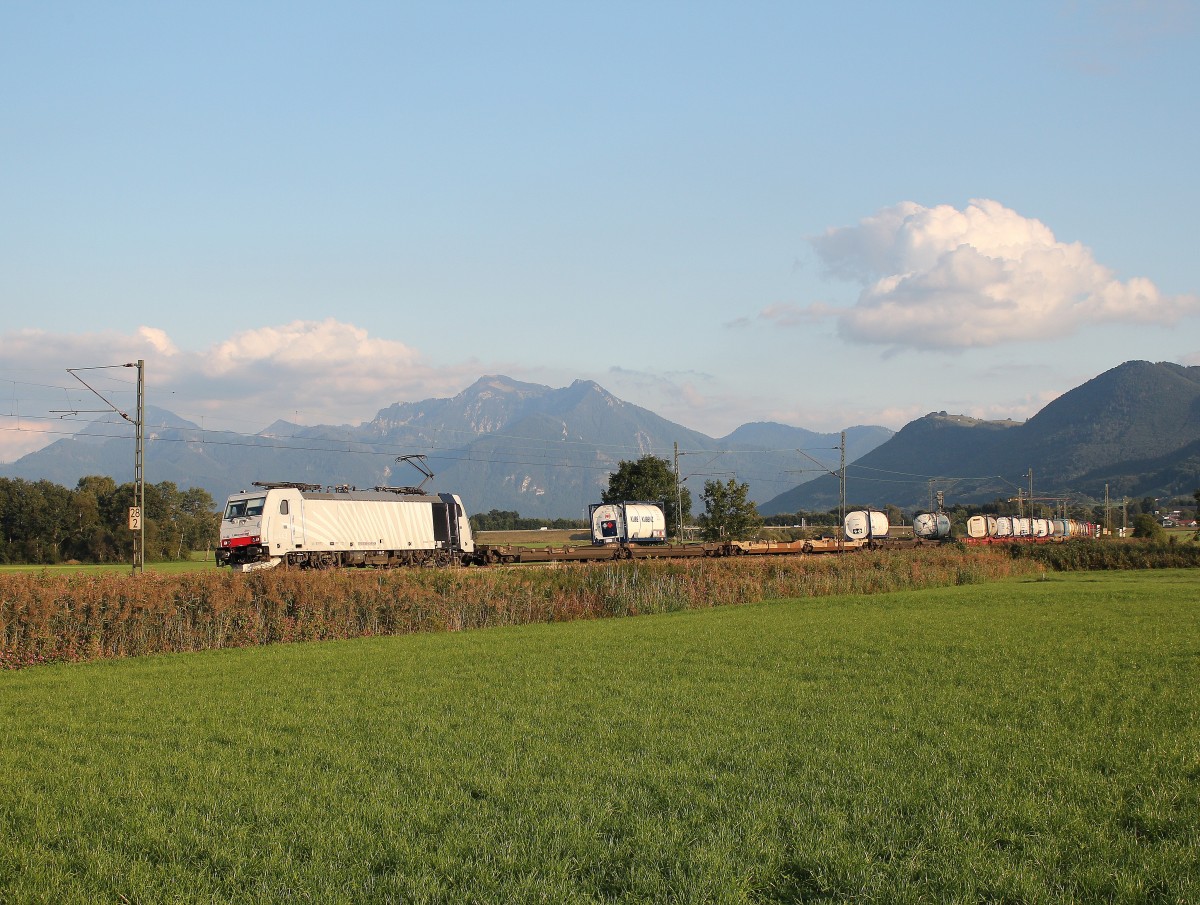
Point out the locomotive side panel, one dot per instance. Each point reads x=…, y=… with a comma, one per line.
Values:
x=342, y=525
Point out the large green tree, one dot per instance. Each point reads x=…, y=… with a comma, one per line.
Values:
x=729, y=513
x=652, y=480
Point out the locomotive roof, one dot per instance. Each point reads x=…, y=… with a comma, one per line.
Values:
x=386, y=496
x=319, y=492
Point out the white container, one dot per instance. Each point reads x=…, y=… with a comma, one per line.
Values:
x=628, y=523
x=865, y=524
x=931, y=526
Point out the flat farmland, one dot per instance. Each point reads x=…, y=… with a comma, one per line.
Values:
x=551, y=537
x=1021, y=741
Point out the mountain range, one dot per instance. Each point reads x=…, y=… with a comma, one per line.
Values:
x=1135, y=428
x=499, y=444
x=547, y=452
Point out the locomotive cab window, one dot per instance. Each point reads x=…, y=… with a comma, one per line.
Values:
x=245, y=508
x=283, y=507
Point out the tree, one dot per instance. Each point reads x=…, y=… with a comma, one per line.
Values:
x=651, y=480
x=729, y=513
x=1146, y=525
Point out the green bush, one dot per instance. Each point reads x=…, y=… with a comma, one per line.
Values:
x=1083, y=555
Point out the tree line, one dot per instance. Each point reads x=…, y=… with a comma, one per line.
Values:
x=45, y=523
x=511, y=520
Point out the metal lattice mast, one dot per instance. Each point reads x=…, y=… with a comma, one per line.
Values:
x=139, y=461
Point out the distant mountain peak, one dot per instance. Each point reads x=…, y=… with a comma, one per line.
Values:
x=279, y=428
x=967, y=420
x=501, y=383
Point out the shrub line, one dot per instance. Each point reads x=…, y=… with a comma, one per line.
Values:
x=47, y=618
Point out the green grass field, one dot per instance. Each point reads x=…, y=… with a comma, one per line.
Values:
x=1031, y=741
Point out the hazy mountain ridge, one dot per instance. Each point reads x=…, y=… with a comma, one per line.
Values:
x=1135, y=427
x=500, y=443
x=505, y=444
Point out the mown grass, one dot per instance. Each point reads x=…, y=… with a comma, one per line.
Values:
x=1025, y=741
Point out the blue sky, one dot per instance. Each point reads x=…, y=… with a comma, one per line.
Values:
x=820, y=214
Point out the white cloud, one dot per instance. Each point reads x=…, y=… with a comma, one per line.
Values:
x=323, y=372
x=158, y=340
x=312, y=372
x=349, y=351
x=942, y=278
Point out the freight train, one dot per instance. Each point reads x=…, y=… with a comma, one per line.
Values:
x=313, y=527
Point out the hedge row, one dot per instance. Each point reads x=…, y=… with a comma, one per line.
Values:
x=46, y=617
x=1092, y=555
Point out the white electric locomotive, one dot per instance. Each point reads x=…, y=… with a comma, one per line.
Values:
x=309, y=526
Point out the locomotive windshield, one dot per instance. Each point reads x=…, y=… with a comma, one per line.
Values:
x=245, y=508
